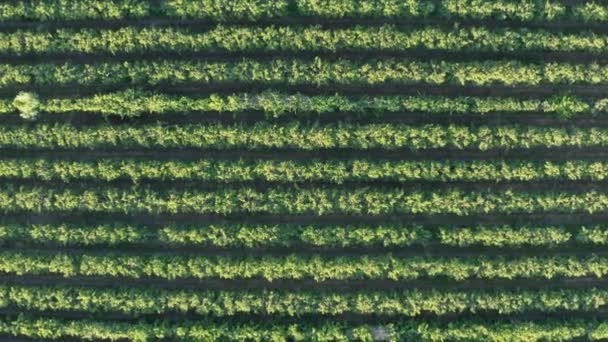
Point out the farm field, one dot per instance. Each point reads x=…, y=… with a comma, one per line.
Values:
x=304, y=170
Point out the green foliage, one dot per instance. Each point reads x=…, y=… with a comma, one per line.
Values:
x=55, y=10
x=251, y=199
x=567, y=106
x=595, y=235
x=132, y=103
x=515, y=331
x=292, y=235
x=322, y=330
x=296, y=38
x=265, y=135
x=291, y=200
x=318, y=72
x=206, y=303
x=301, y=171
x=513, y=10
x=506, y=236
x=203, y=330
x=294, y=267
x=218, y=10
x=28, y=105
x=221, y=10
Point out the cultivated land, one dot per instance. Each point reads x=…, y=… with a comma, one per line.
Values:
x=315, y=170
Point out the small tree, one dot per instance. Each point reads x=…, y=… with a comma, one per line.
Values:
x=28, y=105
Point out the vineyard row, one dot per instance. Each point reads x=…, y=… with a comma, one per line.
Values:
x=133, y=103
x=290, y=200
x=207, y=330
x=291, y=235
x=300, y=136
x=411, y=303
x=297, y=39
x=315, y=72
x=218, y=10
x=294, y=267
x=330, y=171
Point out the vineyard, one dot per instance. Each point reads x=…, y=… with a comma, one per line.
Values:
x=304, y=170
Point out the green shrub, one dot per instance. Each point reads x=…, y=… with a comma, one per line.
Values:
x=28, y=105
x=567, y=106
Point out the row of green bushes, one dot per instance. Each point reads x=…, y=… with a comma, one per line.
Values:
x=297, y=39
x=331, y=171
x=218, y=10
x=296, y=267
x=411, y=303
x=293, y=235
x=316, y=72
x=292, y=200
x=133, y=102
x=300, y=136
x=207, y=330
